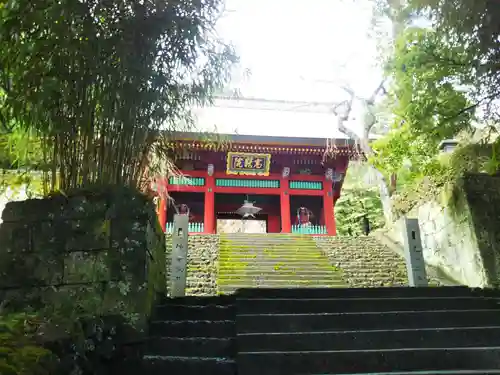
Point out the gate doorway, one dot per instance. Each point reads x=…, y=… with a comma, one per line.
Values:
x=232, y=223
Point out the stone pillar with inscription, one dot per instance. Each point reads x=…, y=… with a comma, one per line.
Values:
x=415, y=263
x=178, y=271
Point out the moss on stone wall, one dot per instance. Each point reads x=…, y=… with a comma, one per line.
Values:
x=202, y=264
x=89, y=264
x=471, y=199
x=94, y=247
x=20, y=353
x=470, y=158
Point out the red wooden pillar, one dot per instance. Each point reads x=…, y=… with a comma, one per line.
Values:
x=162, y=213
x=286, y=225
x=328, y=211
x=209, y=217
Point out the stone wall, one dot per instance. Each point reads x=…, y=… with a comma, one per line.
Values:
x=458, y=231
x=203, y=260
x=482, y=196
x=93, y=252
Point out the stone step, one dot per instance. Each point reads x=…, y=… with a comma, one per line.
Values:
x=210, y=312
x=389, y=292
x=254, y=271
x=270, y=283
x=271, y=263
x=366, y=340
x=380, y=267
x=348, y=260
x=264, y=240
x=350, y=305
x=233, y=289
x=288, y=265
x=247, y=242
x=193, y=328
x=372, y=361
x=363, y=273
x=288, y=255
x=274, y=260
x=281, y=277
x=192, y=347
x=369, y=269
x=276, y=277
x=258, y=253
x=268, y=244
x=255, y=246
x=364, y=321
x=162, y=365
x=434, y=372
x=190, y=301
x=267, y=259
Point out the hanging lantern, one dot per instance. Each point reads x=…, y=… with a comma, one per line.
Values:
x=248, y=210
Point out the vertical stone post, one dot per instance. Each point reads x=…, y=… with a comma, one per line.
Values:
x=415, y=263
x=178, y=271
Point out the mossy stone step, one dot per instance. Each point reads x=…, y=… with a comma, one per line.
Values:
x=284, y=267
x=280, y=282
x=290, y=278
x=263, y=261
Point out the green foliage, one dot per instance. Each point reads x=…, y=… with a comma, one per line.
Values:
x=20, y=149
x=472, y=25
x=15, y=179
x=96, y=81
x=470, y=33
x=19, y=352
x=353, y=205
x=432, y=78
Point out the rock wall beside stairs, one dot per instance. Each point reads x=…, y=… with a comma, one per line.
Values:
x=365, y=262
x=448, y=244
x=203, y=259
x=459, y=230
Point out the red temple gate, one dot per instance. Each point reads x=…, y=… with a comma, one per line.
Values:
x=281, y=174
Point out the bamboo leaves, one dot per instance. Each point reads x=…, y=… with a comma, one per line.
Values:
x=96, y=79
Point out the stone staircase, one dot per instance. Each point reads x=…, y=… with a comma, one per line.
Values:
x=273, y=260
x=392, y=330
x=226, y=262
x=366, y=262
x=192, y=335
x=368, y=331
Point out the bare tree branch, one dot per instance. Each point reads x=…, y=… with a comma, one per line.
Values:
x=368, y=104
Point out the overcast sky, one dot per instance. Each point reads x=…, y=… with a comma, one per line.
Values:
x=287, y=42
x=299, y=50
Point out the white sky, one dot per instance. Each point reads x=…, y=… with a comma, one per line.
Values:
x=296, y=50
